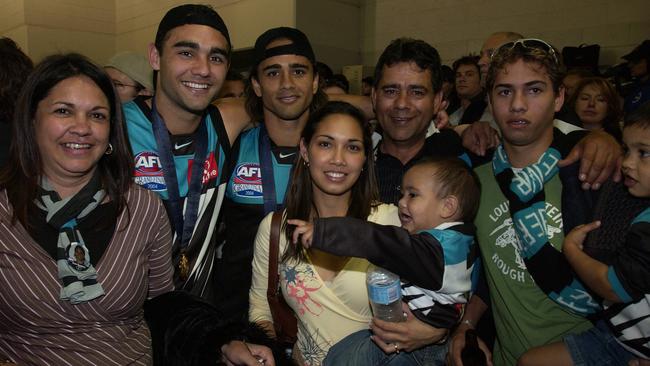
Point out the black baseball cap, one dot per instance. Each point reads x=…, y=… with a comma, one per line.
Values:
x=639, y=52
x=190, y=14
x=299, y=45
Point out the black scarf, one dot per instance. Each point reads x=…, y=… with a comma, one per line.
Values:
x=77, y=274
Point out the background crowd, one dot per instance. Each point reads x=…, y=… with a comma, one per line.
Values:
x=137, y=204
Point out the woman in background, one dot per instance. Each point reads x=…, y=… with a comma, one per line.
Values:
x=597, y=105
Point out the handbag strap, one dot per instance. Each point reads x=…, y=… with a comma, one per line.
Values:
x=274, y=248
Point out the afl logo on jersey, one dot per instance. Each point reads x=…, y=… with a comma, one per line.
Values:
x=148, y=171
x=248, y=180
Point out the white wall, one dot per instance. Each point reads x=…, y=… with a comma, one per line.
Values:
x=42, y=27
x=12, y=22
x=458, y=27
x=333, y=28
x=137, y=20
x=343, y=31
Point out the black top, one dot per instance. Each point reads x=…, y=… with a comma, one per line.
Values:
x=96, y=228
x=390, y=170
x=475, y=110
x=5, y=141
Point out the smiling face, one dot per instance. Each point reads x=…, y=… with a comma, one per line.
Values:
x=591, y=106
x=72, y=129
x=405, y=103
x=286, y=84
x=468, y=81
x=524, y=103
x=335, y=156
x=193, y=65
x=420, y=207
x=636, y=164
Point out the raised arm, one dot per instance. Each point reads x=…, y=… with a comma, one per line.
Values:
x=600, y=157
x=474, y=310
x=627, y=279
x=259, y=310
x=418, y=258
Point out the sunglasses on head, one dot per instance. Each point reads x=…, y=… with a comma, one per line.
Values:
x=528, y=43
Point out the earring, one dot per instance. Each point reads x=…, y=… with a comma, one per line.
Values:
x=305, y=163
x=109, y=149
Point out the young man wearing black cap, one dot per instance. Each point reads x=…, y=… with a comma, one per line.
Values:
x=180, y=142
x=181, y=145
x=284, y=89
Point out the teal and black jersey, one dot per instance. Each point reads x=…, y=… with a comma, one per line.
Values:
x=245, y=183
x=149, y=174
x=243, y=211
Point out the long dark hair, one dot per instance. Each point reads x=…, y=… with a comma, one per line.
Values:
x=14, y=68
x=21, y=176
x=299, y=200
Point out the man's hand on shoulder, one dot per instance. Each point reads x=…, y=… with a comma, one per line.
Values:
x=478, y=137
x=601, y=157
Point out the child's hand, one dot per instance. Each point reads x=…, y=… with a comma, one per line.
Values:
x=304, y=231
x=574, y=240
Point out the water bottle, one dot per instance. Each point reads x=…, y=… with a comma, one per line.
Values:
x=472, y=355
x=385, y=294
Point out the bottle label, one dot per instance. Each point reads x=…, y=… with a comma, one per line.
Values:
x=382, y=293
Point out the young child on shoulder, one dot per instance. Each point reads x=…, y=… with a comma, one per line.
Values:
x=621, y=335
x=433, y=252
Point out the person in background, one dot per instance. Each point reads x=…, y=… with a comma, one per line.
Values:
x=470, y=92
x=333, y=177
x=570, y=81
x=366, y=85
x=15, y=66
x=324, y=72
x=337, y=84
x=131, y=74
x=449, y=88
x=596, y=103
x=638, y=61
x=233, y=87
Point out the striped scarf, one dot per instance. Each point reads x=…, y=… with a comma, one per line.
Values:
x=524, y=189
x=78, y=276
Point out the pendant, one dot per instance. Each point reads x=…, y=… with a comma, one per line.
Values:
x=184, y=267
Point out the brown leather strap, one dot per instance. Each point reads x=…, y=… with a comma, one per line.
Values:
x=274, y=249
